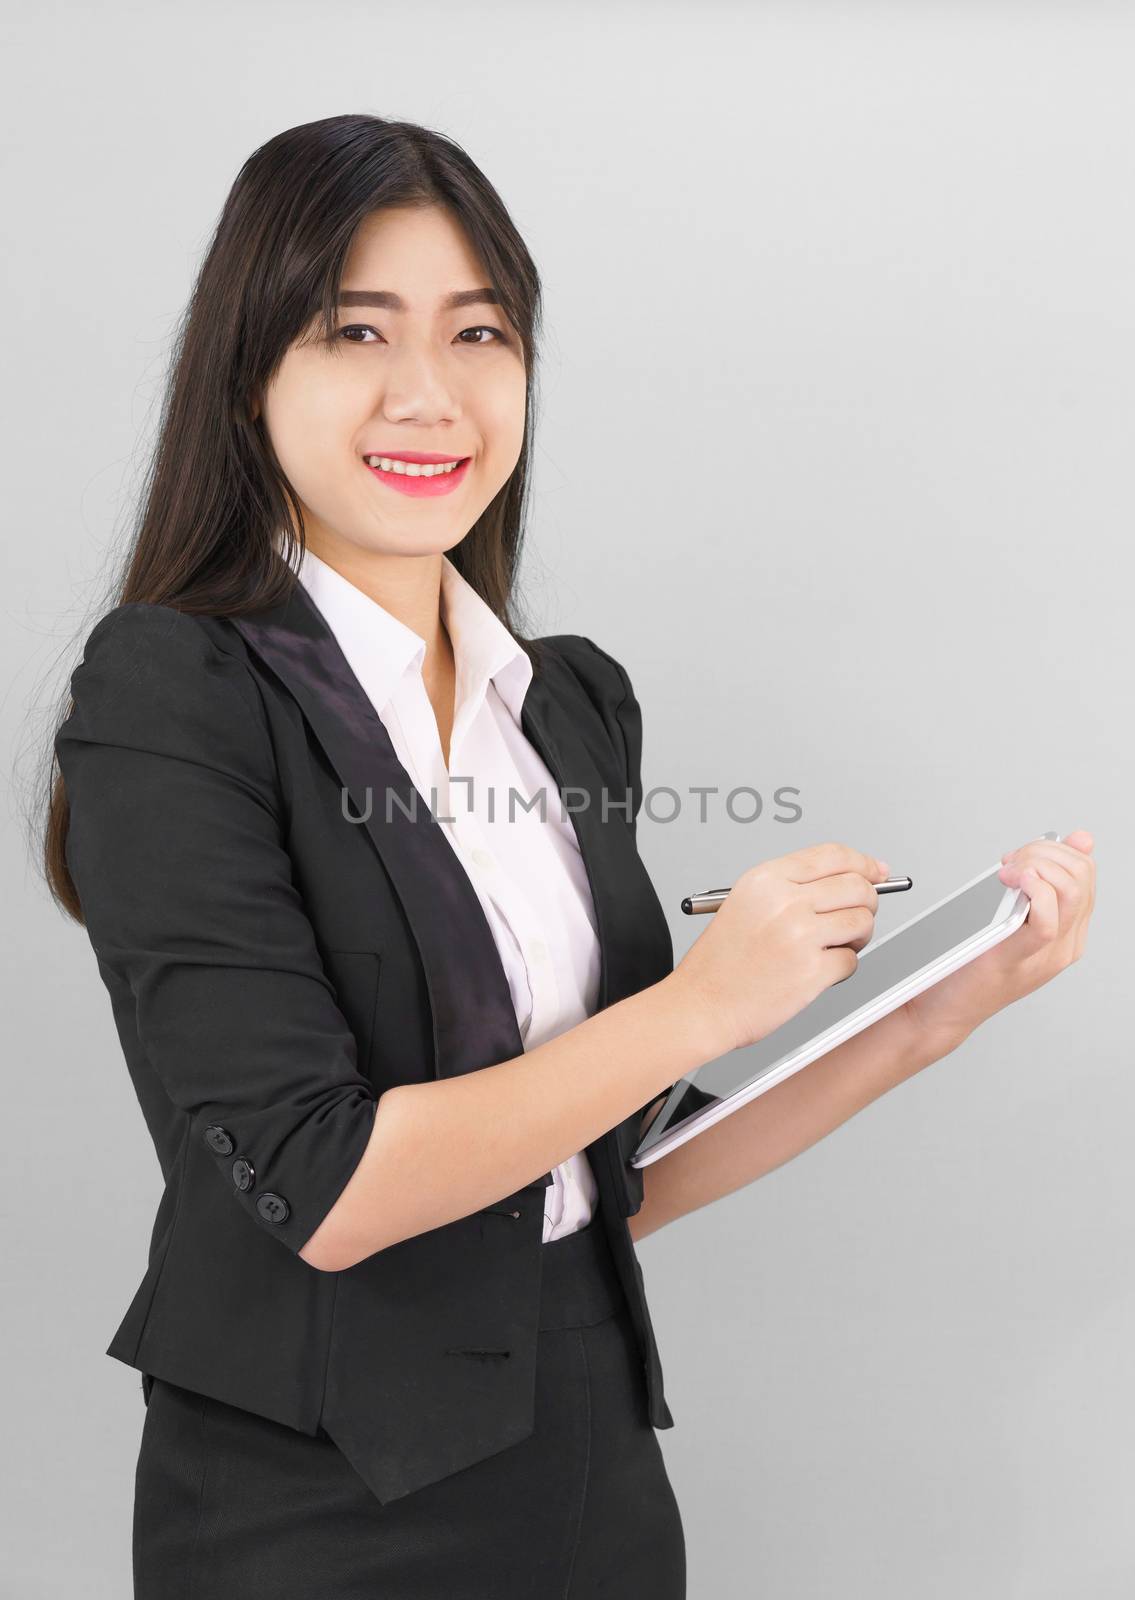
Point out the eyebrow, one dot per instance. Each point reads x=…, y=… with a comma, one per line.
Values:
x=386, y=299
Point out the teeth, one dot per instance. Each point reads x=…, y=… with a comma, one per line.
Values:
x=412, y=469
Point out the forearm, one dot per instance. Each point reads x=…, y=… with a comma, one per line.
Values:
x=784, y=1121
x=447, y=1148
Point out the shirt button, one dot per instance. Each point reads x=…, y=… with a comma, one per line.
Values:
x=539, y=950
x=483, y=858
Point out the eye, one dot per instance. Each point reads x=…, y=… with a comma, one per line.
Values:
x=356, y=328
x=483, y=328
x=364, y=328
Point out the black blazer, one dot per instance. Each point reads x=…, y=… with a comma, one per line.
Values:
x=277, y=955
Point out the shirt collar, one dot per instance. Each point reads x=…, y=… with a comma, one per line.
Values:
x=380, y=649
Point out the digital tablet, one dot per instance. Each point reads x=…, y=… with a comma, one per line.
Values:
x=891, y=970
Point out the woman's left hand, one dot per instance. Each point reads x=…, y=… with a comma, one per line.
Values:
x=1060, y=881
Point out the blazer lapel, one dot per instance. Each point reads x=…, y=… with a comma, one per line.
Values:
x=634, y=937
x=474, y=1023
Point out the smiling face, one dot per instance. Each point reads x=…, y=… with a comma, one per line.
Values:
x=408, y=374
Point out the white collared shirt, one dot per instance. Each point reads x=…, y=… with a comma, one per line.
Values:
x=528, y=872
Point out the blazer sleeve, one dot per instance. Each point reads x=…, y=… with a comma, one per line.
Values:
x=177, y=852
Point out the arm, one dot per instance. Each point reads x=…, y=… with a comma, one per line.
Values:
x=176, y=847
x=1060, y=880
x=421, y=1169
x=657, y=1038
x=785, y=1121
x=177, y=850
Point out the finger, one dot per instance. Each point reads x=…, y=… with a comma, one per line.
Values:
x=841, y=890
x=1083, y=869
x=1042, y=923
x=1071, y=896
x=826, y=860
x=1075, y=907
x=1081, y=866
x=1071, y=874
x=847, y=926
x=1080, y=839
x=1069, y=884
x=1080, y=842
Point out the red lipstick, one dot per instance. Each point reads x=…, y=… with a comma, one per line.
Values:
x=417, y=487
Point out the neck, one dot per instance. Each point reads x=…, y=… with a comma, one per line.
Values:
x=408, y=587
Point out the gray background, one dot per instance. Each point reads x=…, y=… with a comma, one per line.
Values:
x=835, y=456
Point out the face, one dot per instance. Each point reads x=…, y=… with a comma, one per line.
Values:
x=427, y=379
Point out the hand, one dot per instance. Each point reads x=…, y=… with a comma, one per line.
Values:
x=788, y=929
x=1060, y=880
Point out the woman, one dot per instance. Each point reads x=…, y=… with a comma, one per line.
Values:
x=376, y=1012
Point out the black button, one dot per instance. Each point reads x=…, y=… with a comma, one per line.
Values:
x=273, y=1207
x=219, y=1140
x=244, y=1175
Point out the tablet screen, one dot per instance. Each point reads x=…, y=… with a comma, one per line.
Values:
x=887, y=960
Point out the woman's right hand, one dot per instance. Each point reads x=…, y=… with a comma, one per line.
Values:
x=788, y=929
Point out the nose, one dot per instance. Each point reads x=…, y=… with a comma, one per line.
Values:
x=416, y=385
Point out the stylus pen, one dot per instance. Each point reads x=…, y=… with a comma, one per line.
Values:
x=712, y=898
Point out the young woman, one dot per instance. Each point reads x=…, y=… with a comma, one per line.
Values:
x=394, y=1034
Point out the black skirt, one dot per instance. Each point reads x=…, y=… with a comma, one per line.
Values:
x=230, y=1503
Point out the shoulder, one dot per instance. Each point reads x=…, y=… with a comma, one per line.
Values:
x=604, y=678
x=151, y=649
x=161, y=679
x=138, y=636
x=607, y=685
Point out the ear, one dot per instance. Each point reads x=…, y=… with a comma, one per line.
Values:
x=246, y=410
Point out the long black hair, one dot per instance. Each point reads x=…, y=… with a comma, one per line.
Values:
x=215, y=501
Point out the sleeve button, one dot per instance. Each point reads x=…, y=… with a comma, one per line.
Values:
x=273, y=1207
x=219, y=1140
